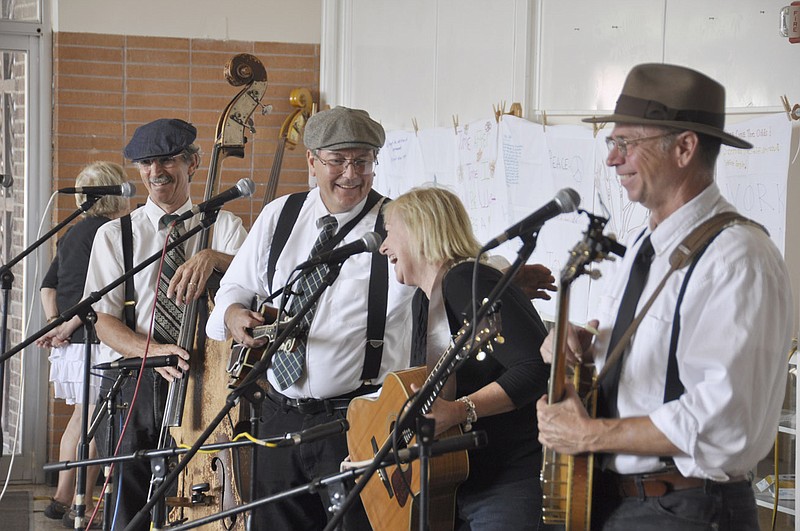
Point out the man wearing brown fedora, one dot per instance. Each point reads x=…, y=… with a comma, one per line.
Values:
x=690, y=404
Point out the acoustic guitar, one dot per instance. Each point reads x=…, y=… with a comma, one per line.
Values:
x=390, y=497
x=567, y=479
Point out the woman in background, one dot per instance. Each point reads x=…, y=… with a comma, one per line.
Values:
x=61, y=289
x=432, y=246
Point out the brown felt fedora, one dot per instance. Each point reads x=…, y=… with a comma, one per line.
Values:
x=673, y=96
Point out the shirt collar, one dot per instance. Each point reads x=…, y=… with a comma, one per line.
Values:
x=155, y=213
x=342, y=218
x=673, y=229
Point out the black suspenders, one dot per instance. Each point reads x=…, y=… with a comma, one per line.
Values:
x=129, y=310
x=378, y=281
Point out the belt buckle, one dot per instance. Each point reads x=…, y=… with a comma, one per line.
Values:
x=308, y=406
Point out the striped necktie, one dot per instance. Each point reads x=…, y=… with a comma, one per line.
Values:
x=169, y=314
x=288, y=365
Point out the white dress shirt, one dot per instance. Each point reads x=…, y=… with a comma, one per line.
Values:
x=106, y=263
x=337, y=338
x=736, y=326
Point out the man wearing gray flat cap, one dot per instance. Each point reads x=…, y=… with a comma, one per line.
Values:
x=358, y=331
x=689, y=403
x=166, y=157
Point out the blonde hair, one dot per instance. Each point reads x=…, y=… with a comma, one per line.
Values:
x=103, y=173
x=437, y=223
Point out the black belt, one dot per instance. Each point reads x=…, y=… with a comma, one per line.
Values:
x=312, y=406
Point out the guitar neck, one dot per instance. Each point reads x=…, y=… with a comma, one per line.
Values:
x=558, y=367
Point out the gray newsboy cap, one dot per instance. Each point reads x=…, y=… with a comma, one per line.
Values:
x=343, y=128
x=161, y=138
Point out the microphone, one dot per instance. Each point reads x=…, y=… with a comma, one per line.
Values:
x=124, y=189
x=316, y=433
x=469, y=441
x=244, y=188
x=566, y=200
x=368, y=243
x=151, y=362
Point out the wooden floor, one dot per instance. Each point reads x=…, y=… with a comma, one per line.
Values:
x=42, y=493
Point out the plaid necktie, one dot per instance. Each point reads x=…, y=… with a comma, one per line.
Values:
x=288, y=365
x=169, y=315
x=607, y=398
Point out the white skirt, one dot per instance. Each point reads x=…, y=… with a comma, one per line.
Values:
x=66, y=372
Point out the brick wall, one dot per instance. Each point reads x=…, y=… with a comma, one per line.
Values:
x=107, y=85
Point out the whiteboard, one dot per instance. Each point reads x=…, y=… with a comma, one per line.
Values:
x=587, y=48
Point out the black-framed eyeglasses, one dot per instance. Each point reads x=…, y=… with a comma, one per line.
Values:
x=166, y=162
x=622, y=143
x=338, y=165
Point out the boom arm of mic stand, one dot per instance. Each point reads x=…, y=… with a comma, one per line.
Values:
x=258, y=368
x=423, y=395
x=82, y=307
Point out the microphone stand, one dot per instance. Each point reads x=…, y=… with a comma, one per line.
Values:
x=439, y=376
x=89, y=321
x=83, y=309
x=7, y=281
x=82, y=306
x=233, y=397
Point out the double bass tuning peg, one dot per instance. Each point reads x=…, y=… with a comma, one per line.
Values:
x=266, y=109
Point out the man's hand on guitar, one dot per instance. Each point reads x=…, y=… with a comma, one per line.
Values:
x=578, y=344
x=564, y=426
x=239, y=320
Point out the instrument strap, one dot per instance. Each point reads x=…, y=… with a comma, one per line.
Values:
x=129, y=309
x=379, y=273
x=686, y=252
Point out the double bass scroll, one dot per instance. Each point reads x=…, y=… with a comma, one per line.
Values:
x=291, y=134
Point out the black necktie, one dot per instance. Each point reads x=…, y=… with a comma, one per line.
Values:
x=288, y=366
x=169, y=315
x=607, y=399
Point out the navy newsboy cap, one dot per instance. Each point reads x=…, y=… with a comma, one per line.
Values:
x=343, y=128
x=161, y=138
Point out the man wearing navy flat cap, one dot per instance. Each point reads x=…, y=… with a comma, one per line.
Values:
x=688, y=404
x=167, y=158
x=337, y=361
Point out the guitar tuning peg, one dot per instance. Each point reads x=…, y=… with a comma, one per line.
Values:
x=480, y=356
x=595, y=274
x=499, y=339
x=266, y=109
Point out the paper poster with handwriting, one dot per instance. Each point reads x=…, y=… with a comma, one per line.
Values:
x=400, y=164
x=479, y=184
x=755, y=180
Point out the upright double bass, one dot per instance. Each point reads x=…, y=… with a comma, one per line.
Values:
x=207, y=485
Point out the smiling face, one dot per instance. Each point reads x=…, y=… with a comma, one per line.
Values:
x=341, y=190
x=409, y=267
x=167, y=180
x=650, y=174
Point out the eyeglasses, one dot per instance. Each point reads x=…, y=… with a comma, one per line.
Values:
x=166, y=162
x=622, y=144
x=337, y=166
